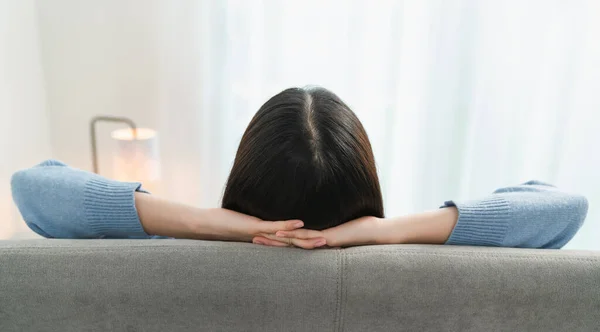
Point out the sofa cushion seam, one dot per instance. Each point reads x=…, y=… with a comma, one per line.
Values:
x=344, y=290
x=336, y=321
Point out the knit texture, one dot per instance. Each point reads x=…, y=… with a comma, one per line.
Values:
x=484, y=221
x=110, y=208
x=57, y=201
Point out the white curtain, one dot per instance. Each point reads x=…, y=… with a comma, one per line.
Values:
x=458, y=97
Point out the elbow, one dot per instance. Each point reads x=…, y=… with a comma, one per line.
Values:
x=20, y=184
x=23, y=193
x=576, y=213
x=580, y=210
x=23, y=190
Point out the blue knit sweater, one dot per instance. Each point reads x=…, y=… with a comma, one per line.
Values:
x=58, y=201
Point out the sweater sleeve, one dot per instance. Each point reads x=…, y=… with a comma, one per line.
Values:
x=530, y=215
x=57, y=201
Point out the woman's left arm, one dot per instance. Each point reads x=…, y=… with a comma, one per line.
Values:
x=530, y=215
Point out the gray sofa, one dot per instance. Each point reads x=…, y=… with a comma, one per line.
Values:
x=178, y=285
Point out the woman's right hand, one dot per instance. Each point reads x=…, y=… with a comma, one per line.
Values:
x=362, y=231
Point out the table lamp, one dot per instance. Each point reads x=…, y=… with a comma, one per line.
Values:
x=136, y=158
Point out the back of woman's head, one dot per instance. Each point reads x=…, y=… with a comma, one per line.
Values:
x=305, y=155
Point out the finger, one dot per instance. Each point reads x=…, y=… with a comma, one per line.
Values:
x=300, y=243
x=309, y=244
x=268, y=242
x=273, y=237
x=304, y=234
x=274, y=226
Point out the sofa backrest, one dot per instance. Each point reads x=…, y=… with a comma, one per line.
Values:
x=181, y=285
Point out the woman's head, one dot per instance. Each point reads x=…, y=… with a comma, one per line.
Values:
x=305, y=155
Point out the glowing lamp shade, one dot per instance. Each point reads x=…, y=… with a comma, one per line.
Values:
x=136, y=158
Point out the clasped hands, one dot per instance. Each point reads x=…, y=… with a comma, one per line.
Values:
x=290, y=233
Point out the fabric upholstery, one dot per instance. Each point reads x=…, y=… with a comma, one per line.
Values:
x=183, y=285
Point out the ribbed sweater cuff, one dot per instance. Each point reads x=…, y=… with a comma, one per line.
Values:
x=110, y=208
x=483, y=222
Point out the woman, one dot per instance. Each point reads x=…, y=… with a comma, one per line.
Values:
x=304, y=175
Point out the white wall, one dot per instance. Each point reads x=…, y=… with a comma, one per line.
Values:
x=100, y=57
x=122, y=58
x=24, y=132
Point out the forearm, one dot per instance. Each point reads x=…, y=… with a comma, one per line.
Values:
x=432, y=227
x=162, y=217
x=165, y=218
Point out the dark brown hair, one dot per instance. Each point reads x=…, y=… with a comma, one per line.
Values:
x=305, y=155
